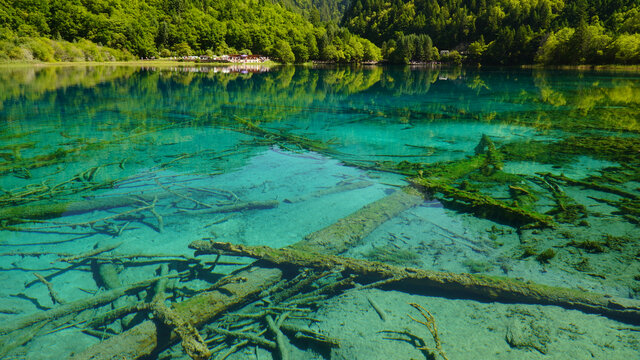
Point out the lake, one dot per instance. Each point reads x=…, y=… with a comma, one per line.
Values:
x=446, y=213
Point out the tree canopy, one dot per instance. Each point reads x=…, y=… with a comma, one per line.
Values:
x=507, y=31
x=402, y=31
x=147, y=28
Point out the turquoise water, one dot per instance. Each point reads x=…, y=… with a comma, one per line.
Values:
x=139, y=162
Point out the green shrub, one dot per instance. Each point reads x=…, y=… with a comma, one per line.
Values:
x=20, y=53
x=40, y=48
x=627, y=49
x=66, y=51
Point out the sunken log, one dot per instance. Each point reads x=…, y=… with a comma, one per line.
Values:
x=349, y=231
x=16, y=214
x=466, y=285
x=144, y=339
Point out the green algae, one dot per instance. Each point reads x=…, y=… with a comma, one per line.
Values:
x=484, y=206
x=545, y=256
x=543, y=152
x=523, y=196
x=392, y=255
x=477, y=266
x=450, y=171
x=495, y=177
x=493, y=160
x=620, y=149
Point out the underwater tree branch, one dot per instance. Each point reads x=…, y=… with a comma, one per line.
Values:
x=466, y=285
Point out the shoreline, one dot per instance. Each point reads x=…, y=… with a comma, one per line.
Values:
x=173, y=63
x=584, y=67
x=159, y=63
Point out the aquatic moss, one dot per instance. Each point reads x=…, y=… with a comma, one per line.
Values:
x=584, y=223
x=593, y=247
x=497, y=177
x=538, y=151
x=567, y=210
x=467, y=186
x=390, y=254
x=616, y=242
x=449, y=171
x=629, y=209
x=477, y=266
x=523, y=196
x=528, y=252
x=613, y=148
x=546, y=255
x=583, y=265
x=617, y=174
x=595, y=184
x=483, y=205
x=493, y=158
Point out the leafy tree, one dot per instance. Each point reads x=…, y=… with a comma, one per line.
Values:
x=627, y=49
x=283, y=52
x=182, y=49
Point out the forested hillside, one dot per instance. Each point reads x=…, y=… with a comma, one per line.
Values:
x=485, y=31
x=318, y=11
x=505, y=31
x=64, y=29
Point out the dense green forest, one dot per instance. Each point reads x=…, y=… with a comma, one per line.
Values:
x=318, y=11
x=505, y=31
x=70, y=30
x=400, y=31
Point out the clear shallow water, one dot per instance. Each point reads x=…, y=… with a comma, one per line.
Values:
x=167, y=143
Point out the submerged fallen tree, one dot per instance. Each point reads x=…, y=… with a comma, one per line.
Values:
x=485, y=206
x=18, y=214
x=74, y=307
x=466, y=285
x=318, y=251
x=144, y=339
x=349, y=231
x=433, y=179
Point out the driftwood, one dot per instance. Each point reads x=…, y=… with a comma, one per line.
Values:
x=593, y=185
x=116, y=314
x=282, y=137
x=309, y=335
x=469, y=285
x=90, y=253
x=75, y=306
x=142, y=340
x=192, y=342
x=13, y=215
x=53, y=210
x=430, y=323
x=18, y=338
x=484, y=205
x=108, y=274
x=281, y=340
x=55, y=298
x=349, y=231
x=245, y=336
x=252, y=205
x=334, y=190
